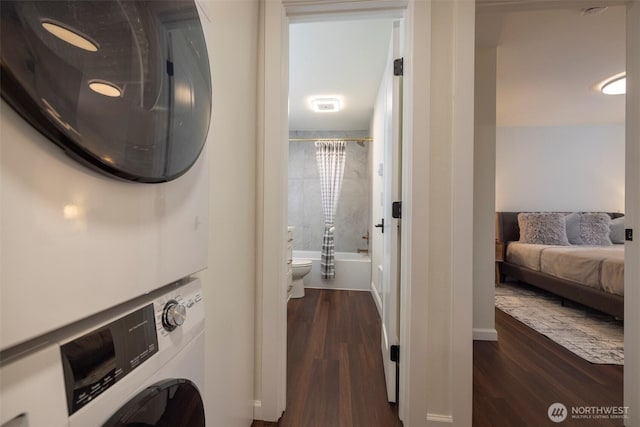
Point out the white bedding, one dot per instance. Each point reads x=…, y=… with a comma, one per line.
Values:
x=600, y=267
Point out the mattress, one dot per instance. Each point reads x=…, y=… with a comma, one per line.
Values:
x=599, y=267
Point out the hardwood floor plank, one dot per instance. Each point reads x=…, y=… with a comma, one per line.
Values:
x=516, y=379
x=346, y=408
x=334, y=370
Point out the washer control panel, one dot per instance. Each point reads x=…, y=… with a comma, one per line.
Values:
x=162, y=324
x=173, y=315
x=180, y=311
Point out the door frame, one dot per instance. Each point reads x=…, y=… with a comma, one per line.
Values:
x=455, y=22
x=632, y=218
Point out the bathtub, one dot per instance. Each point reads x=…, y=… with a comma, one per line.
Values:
x=353, y=271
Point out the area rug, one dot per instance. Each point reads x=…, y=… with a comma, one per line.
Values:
x=596, y=337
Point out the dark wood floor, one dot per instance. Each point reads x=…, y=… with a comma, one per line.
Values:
x=335, y=375
x=334, y=366
x=516, y=379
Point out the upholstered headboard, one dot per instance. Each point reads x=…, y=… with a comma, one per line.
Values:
x=507, y=229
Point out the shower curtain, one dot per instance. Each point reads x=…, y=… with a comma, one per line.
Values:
x=330, y=156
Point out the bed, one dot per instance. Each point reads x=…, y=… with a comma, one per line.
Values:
x=588, y=274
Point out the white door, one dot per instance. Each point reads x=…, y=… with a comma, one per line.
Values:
x=391, y=238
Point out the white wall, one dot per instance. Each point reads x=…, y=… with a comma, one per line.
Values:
x=560, y=168
x=437, y=188
x=229, y=283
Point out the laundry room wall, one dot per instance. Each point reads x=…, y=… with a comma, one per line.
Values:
x=229, y=282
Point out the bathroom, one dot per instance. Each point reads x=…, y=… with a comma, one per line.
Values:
x=352, y=212
x=353, y=86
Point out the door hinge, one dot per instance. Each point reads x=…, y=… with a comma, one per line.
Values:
x=398, y=67
x=395, y=353
x=628, y=234
x=396, y=210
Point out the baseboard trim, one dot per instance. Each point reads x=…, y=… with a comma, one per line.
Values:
x=439, y=418
x=376, y=298
x=257, y=410
x=485, y=334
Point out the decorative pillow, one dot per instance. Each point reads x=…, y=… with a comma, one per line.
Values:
x=617, y=230
x=544, y=228
x=595, y=229
x=573, y=228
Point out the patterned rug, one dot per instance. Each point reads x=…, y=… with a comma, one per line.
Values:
x=596, y=337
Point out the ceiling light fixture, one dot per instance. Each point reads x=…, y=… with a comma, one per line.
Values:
x=105, y=88
x=71, y=36
x=616, y=85
x=595, y=10
x=326, y=105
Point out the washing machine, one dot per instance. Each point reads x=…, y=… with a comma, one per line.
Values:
x=143, y=366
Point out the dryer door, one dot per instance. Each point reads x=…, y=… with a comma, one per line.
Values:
x=169, y=403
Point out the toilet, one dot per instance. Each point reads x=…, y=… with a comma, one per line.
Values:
x=300, y=268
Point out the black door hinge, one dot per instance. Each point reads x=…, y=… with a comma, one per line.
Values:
x=628, y=234
x=398, y=67
x=396, y=210
x=395, y=353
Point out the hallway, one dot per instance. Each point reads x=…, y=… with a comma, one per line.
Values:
x=334, y=366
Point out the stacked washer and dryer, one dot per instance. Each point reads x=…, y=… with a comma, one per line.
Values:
x=101, y=314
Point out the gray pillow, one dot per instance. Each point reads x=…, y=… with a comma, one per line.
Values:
x=595, y=229
x=617, y=230
x=573, y=228
x=544, y=228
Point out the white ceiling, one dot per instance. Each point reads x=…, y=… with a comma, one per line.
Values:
x=344, y=58
x=549, y=62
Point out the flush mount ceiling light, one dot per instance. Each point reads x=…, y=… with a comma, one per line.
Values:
x=105, y=88
x=71, y=36
x=616, y=85
x=326, y=105
x=595, y=10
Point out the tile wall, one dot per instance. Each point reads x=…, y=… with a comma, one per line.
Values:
x=305, y=206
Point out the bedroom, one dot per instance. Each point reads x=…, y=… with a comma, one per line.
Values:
x=560, y=143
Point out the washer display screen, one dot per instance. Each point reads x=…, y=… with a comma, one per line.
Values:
x=99, y=359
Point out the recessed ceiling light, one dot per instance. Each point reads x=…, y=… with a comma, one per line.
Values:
x=105, y=88
x=325, y=105
x=71, y=36
x=616, y=85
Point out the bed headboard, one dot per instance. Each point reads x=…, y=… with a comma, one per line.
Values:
x=507, y=229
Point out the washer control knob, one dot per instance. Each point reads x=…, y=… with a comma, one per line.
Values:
x=173, y=315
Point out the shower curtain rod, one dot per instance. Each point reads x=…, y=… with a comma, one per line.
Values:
x=366, y=139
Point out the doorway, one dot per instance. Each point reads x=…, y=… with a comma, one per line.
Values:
x=347, y=67
x=612, y=200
